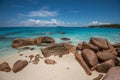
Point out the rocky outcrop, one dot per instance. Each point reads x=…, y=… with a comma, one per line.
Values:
x=103, y=44
x=58, y=49
x=50, y=61
x=90, y=57
x=23, y=42
x=113, y=74
x=19, y=42
x=5, y=67
x=19, y=65
x=105, y=66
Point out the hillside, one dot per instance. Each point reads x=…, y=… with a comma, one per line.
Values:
x=107, y=26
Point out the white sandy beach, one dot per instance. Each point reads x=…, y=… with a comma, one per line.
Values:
x=66, y=68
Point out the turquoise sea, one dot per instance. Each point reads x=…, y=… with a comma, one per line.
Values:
x=76, y=34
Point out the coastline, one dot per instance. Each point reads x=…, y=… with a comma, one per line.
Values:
x=64, y=68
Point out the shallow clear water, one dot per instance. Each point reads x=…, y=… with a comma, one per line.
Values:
x=76, y=34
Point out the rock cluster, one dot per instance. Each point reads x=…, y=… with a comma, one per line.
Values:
x=19, y=42
x=35, y=59
x=98, y=54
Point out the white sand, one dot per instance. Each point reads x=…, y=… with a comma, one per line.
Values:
x=42, y=71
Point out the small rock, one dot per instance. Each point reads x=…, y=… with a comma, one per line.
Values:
x=31, y=57
x=67, y=68
x=49, y=61
x=21, y=54
x=32, y=48
x=35, y=61
x=38, y=56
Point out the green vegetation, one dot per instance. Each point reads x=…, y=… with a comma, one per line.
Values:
x=107, y=26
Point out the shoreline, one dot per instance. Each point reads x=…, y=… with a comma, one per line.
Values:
x=66, y=56
x=65, y=67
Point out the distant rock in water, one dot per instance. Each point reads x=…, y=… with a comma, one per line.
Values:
x=3, y=37
x=65, y=39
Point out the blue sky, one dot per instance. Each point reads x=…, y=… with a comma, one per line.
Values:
x=59, y=12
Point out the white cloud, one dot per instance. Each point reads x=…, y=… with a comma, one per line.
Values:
x=43, y=12
x=33, y=22
x=98, y=23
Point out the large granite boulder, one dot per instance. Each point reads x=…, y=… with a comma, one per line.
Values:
x=55, y=49
x=19, y=42
x=90, y=57
x=113, y=74
x=86, y=45
x=89, y=46
x=101, y=43
x=105, y=66
x=105, y=55
x=19, y=65
x=5, y=67
x=80, y=59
